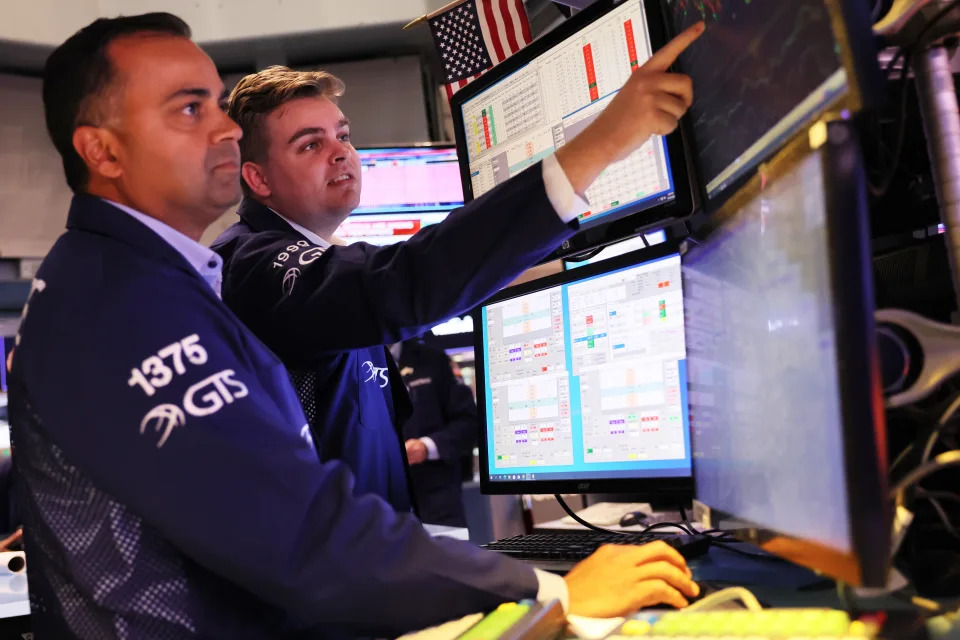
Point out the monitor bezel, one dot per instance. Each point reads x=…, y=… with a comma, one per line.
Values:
x=853, y=31
x=626, y=224
x=676, y=489
x=858, y=372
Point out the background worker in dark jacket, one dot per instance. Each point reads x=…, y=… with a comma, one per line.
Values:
x=443, y=429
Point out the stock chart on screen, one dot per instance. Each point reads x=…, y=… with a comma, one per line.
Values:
x=588, y=378
x=527, y=115
x=759, y=71
x=405, y=179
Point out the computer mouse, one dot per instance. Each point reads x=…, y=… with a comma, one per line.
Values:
x=633, y=518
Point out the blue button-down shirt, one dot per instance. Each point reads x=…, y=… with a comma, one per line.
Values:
x=206, y=261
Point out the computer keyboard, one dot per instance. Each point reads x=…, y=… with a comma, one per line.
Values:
x=559, y=551
x=756, y=625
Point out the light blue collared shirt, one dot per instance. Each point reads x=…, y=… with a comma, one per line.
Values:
x=206, y=262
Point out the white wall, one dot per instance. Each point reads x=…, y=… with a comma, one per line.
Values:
x=33, y=192
x=50, y=22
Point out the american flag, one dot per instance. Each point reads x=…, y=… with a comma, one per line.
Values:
x=476, y=35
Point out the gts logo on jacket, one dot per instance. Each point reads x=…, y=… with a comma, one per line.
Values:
x=376, y=374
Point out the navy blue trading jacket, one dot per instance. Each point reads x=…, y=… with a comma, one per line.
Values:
x=327, y=312
x=443, y=410
x=168, y=482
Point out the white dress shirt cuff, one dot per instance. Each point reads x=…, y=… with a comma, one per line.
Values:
x=564, y=199
x=552, y=587
x=432, y=452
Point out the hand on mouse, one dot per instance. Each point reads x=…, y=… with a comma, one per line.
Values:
x=619, y=579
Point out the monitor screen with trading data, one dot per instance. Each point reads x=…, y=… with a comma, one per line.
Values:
x=535, y=102
x=762, y=70
x=405, y=189
x=786, y=417
x=409, y=179
x=386, y=228
x=584, y=378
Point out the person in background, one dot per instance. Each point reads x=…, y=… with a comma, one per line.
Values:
x=442, y=430
x=168, y=482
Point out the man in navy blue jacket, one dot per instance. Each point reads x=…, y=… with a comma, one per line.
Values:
x=442, y=430
x=167, y=479
x=327, y=310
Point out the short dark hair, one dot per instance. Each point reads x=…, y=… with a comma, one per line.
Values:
x=77, y=78
x=258, y=94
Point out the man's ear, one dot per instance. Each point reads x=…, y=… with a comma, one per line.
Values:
x=98, y=148
x=253, y=175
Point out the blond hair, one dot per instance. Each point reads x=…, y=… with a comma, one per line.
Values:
x=258, y=94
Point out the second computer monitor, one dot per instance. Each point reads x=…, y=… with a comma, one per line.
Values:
x=581, y=381
x=786, y=408
x=404, y=189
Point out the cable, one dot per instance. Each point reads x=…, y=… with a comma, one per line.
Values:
x=659, y=525
x=933, y=498
x=944, y=518
x=940, y=495
x=675, y=525
x=584, y=255
x=902, y=456
x=845, y=594
x=891, y=171
x=938, y=430
x=726, y=595
x=683, y=514
x=580, y=520
x=948, y=459
x=906, y=52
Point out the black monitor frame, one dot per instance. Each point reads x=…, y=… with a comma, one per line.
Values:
x=858, y=371
x=853, y=31
x=670, y=490
x=624, y=225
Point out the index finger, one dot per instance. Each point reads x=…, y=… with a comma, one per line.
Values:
x=662, y=59
x=655, y=552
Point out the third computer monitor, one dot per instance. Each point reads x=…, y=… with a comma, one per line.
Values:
x=761, y=72
x=581, y=381
x=404, y=189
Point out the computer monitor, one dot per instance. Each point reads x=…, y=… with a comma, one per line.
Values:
x=618, y=249
x=581, y=382
x=386, y=228
x=6, y=346
x=764, y=70
x=786, y=410
x=534, y=102
x=404, y=190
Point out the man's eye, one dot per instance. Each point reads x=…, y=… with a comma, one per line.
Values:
x=345, y=137
x=191, y=109
x=310, y=146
